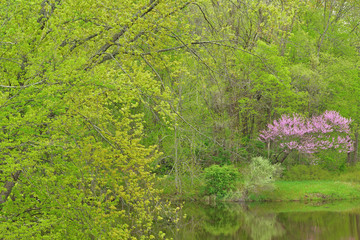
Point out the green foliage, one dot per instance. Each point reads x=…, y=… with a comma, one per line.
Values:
x=261, y=175
x=222, y=157
x=87, y=101
x=307, y=172
x=191, y=186
x=219, y=180
x=74, y=76
x=332, y=161
x=280, y=57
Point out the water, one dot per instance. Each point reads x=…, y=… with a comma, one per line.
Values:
x=265, y=221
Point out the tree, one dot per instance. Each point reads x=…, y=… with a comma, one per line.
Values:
x=238, y=78
x=73, y=76
x=327, y=131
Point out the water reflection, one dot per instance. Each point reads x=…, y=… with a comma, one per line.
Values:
x=269, y=221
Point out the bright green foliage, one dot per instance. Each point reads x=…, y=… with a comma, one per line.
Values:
x=220, y=180
x=261, y=175
x=73, y=75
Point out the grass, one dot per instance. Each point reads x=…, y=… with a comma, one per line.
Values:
x=309, y=190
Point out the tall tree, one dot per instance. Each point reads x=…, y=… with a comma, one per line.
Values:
x=73, y=77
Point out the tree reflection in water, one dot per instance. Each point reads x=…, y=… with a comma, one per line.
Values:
x=268, y=221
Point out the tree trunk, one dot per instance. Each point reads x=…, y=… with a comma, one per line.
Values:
x=9, y=186
x=357, y=220
x=252, y=126
x=349, y=159
x=356, y=145
x=176, y=146
x=284, y=157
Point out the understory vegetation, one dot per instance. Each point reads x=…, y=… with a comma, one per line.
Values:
x=300, y=182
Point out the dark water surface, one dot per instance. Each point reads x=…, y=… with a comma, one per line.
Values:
x=265, y=221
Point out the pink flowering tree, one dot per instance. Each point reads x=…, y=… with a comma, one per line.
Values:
x=327, y=131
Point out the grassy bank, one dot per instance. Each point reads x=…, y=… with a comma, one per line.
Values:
x=192, y=189
x=309, y=190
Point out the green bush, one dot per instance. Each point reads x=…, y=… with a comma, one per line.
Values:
x=304, y=172
x=261, y=175
x=352, y=174
x=222, y=157
x=220, y=180
x=332, y=161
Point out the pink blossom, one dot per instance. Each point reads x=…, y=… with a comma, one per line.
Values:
x=327, y=131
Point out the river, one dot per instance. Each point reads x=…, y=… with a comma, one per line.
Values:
x=265, y=221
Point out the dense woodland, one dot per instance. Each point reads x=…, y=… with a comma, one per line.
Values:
x=100, y=99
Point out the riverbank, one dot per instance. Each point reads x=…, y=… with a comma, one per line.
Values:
x=309, y=190
x=192, y=190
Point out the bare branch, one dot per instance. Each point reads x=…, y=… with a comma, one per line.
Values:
x=182, y=118
x=4, y=43
x=99, y=131
x=204, y=15
x=26, y=86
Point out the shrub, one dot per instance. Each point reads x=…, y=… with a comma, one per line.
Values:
x=261, y=175
x=220, y=180
x=222, y=157
x=332, y=161
x=351, y=175
x=303, y=172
